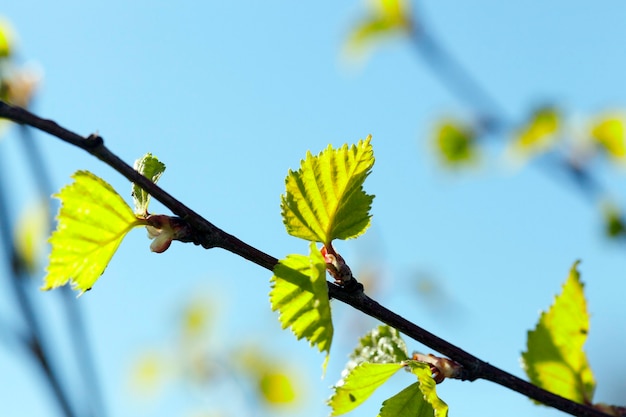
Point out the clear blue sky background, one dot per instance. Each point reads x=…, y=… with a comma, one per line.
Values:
x=232, y=95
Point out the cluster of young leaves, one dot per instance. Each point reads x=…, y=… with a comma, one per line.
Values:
x=92, y=222
x=554, y=358
x=381, y=354
x=545, y=132
x=324, y=201
x=457, y=142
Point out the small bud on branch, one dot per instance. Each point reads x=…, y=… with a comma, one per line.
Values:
x=441, y=368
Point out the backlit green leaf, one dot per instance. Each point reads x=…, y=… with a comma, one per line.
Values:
x=31, y=232
x=555, y=359
x=455, y=143
x=276, y=382
x=6, y=38
x=300, y=294
x=613, y=221
x=149, y=373
x=92, y=222
x=410, y=402
x=432, y=404
x=276, y=387
x=359, y=384
x=150, y=167
x=325, y=198
x=610, y=133
x=385, y=18
x=538, y=134
x=381, y=345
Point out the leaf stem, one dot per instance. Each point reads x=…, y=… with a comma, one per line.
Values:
x=210, y=236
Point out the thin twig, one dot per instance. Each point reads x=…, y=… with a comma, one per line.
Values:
x=18, y=283
x=73, y=315
x=491, y=116
x=474, y=368
x=12, y=336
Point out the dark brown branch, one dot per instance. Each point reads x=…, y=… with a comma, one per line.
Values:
x=474, y=368
x=210, y=236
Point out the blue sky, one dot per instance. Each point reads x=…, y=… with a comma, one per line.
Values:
x=230, y=95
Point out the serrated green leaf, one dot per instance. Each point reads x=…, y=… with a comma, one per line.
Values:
x=554, y=359
x=427, y=385
x=381, y=345
x=455, y=143
x=92, y=222
x=150, y=167
x=408, y=402
x=300, y=294
x=325, y=198
x=359, y=384
x=411, y=402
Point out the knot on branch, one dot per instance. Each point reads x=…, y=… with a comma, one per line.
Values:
x=338, y=269
x=93, y=141
x=164, y=229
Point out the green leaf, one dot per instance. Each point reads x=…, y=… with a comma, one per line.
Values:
x=150, y=167
x=92, y=222
x=359, y=384
x=610, y=133
x=325, y=198
x=381, y=345
x=455, y=143
x=412, y=402
x=539, y=133
x=276, y=387
x=555, y=359
x=614, y=226
x=6, y=38
x=427, y=386
x=300, y=294
x=385, y=19
x=30, y=235
x=275, y=381
x=148, y=373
